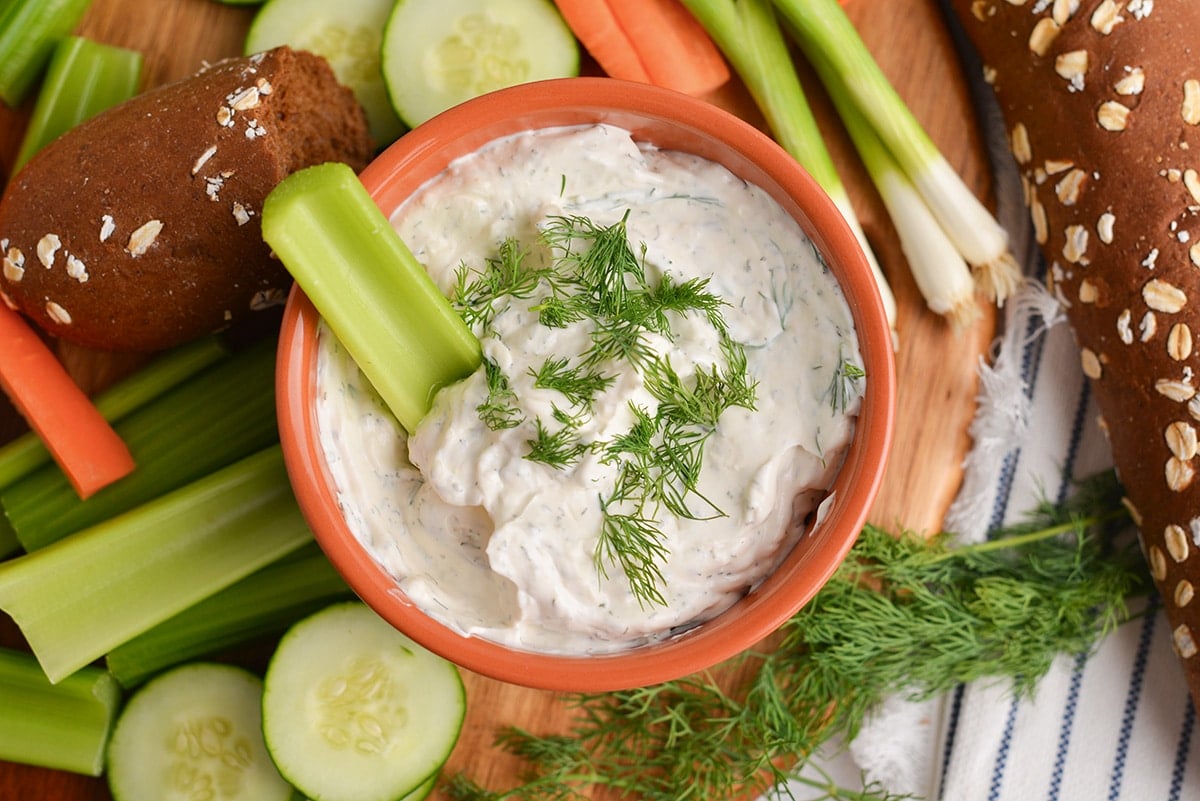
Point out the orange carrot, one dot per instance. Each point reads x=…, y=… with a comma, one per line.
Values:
x=595, y=26
x=82, y=442
x=652, y=41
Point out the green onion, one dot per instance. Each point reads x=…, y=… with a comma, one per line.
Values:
x=210, y=420
x=26, y=453
x=83, y=79
x=63, y=726
x=264, y=603
x=81, y=597
x=747, y=32
x=371, y=291
x=828, y=37
x=942, y=276
x=29, y=31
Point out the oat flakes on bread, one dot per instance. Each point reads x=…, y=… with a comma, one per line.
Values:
x=1101, y=99
x=139, y=229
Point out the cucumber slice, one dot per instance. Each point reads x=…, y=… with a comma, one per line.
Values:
x=438, y=53
x=194, y=732
x=348, y=33
x=353, y=710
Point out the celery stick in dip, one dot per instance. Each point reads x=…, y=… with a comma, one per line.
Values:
x=504, y=546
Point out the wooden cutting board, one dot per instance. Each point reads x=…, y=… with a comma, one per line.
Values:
x=936, y=367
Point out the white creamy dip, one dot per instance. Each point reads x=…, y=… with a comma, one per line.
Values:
x=502, y=547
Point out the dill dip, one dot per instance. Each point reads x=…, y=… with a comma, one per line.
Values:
x=503, y=546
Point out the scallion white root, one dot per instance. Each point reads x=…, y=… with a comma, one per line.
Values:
x=829, y=39
x=939, y=270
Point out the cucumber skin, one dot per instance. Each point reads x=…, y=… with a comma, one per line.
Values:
x=118, y=761
x=399, y=39
x=279, y=22
x=303, y=644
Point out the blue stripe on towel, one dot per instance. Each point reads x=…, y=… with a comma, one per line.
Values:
x=1066, y=727
x=1182, y=748
x=1131, y=704
x=951, y=731
x=1010, y=722
x=1077, y=425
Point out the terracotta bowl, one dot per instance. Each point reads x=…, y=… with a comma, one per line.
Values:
x=670, y=121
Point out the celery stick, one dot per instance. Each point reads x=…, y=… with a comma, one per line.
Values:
x=29, y=30
x=81, y=597
x=83, y=79
x=9, y=544
x=373, y=293
x=63, y=726
x=25, y=454
x=264, y=603
x=215, y=417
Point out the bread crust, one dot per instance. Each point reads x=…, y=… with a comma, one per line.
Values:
x=139, y=229
x=1102, y=104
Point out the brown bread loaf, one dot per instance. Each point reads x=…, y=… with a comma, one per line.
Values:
x=1101, y=99
x=139, y=230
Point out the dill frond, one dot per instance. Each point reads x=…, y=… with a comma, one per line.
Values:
x=597, y=276
x=499, y=410
x=904, y=615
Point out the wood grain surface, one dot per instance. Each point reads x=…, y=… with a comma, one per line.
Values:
x=936, y=367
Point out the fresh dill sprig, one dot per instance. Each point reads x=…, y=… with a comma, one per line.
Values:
x=903, y=615
x=633, y=543
x=475, y=292
x=499, y=410
x=596, y=275
x=580, y=384
x=559, y=448
x=842, y=387
x=597, y=259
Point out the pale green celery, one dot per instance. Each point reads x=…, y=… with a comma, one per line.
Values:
x=83, y=596
x=29, y=31
x=63, y=726
x=369, y=288
x=264, y=603
x=748, y=34
x=83, y=79
x=26, y=453
x=826, y=34
x=213, y=418
x=941, y=274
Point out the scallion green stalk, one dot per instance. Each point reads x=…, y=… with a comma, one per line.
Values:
x=748, y=34
x=81, y=597
x=83, y=79
x=264, y=603
x=63, y=726
x=939, y=270
x=210, y=420
x=29, y=31
x=369, y=288
x=26, y=453
x=828, y=36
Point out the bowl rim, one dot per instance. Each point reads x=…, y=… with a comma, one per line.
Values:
x=421, y=153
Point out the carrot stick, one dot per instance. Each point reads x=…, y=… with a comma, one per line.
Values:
x=82, y=442
x=652, y=41
x=595, y=26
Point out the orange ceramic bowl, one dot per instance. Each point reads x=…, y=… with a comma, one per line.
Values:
x=670, y=121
